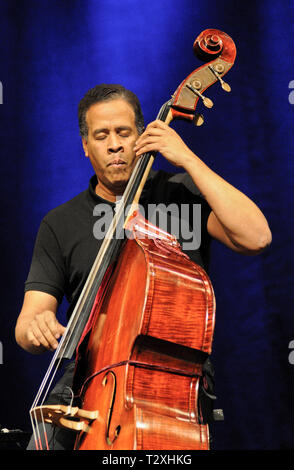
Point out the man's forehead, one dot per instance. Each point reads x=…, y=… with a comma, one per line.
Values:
x=111, y=112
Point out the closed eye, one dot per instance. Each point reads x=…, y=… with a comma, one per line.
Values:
x=124, y=133
x=100, y=136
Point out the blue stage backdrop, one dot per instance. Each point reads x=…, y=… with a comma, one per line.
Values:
x=51, y=53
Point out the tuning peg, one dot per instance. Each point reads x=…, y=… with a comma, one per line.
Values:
x=198, y=119
x=206, y=101
x=219, y=68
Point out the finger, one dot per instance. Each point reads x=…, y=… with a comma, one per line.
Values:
x=46, y=332
x=32, y=338
x=152, y=131
x=152, y=147
x=157, y=124
x=148, y=139
x=156, y=128
x=37, y=337
x=54, y=326
x=61, y=329
x=147, y=142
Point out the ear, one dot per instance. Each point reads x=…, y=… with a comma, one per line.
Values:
x=85, y=146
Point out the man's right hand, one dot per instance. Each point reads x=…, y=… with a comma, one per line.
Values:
x=37, y=328
x=44, y=330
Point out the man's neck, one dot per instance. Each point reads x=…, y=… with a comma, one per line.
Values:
x=108, y=195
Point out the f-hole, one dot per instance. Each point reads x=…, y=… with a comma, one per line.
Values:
x=110, y=410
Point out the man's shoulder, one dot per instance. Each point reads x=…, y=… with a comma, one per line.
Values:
x=68, y=209
x=172, y=180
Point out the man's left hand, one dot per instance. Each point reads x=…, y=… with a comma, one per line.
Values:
x=159, y=137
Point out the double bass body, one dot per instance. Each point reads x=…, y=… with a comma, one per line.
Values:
x=150, y=333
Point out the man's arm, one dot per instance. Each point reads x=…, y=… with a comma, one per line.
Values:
x=37, y=328
x=235, y=220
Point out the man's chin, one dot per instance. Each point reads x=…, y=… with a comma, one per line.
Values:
x=120, y=180
x=119, y=185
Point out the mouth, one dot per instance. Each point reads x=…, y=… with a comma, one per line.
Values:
x=117, y=163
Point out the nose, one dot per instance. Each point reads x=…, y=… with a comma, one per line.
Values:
x=114, y=143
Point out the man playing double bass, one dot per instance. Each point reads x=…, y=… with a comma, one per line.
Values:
x=113, y=138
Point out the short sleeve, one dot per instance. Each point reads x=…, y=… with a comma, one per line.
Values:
x=192, y=194
x=47, y=270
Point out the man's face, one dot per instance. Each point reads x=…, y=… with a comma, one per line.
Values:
x=111, y=138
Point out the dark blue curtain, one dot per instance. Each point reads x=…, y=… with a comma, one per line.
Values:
x=51, y=53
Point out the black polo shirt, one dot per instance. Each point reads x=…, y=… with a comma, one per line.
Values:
x=67, y=242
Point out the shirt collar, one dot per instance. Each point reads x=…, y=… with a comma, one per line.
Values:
x=94, y=197
x=97, y=199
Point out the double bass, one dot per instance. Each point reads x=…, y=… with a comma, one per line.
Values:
x=143, y=325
